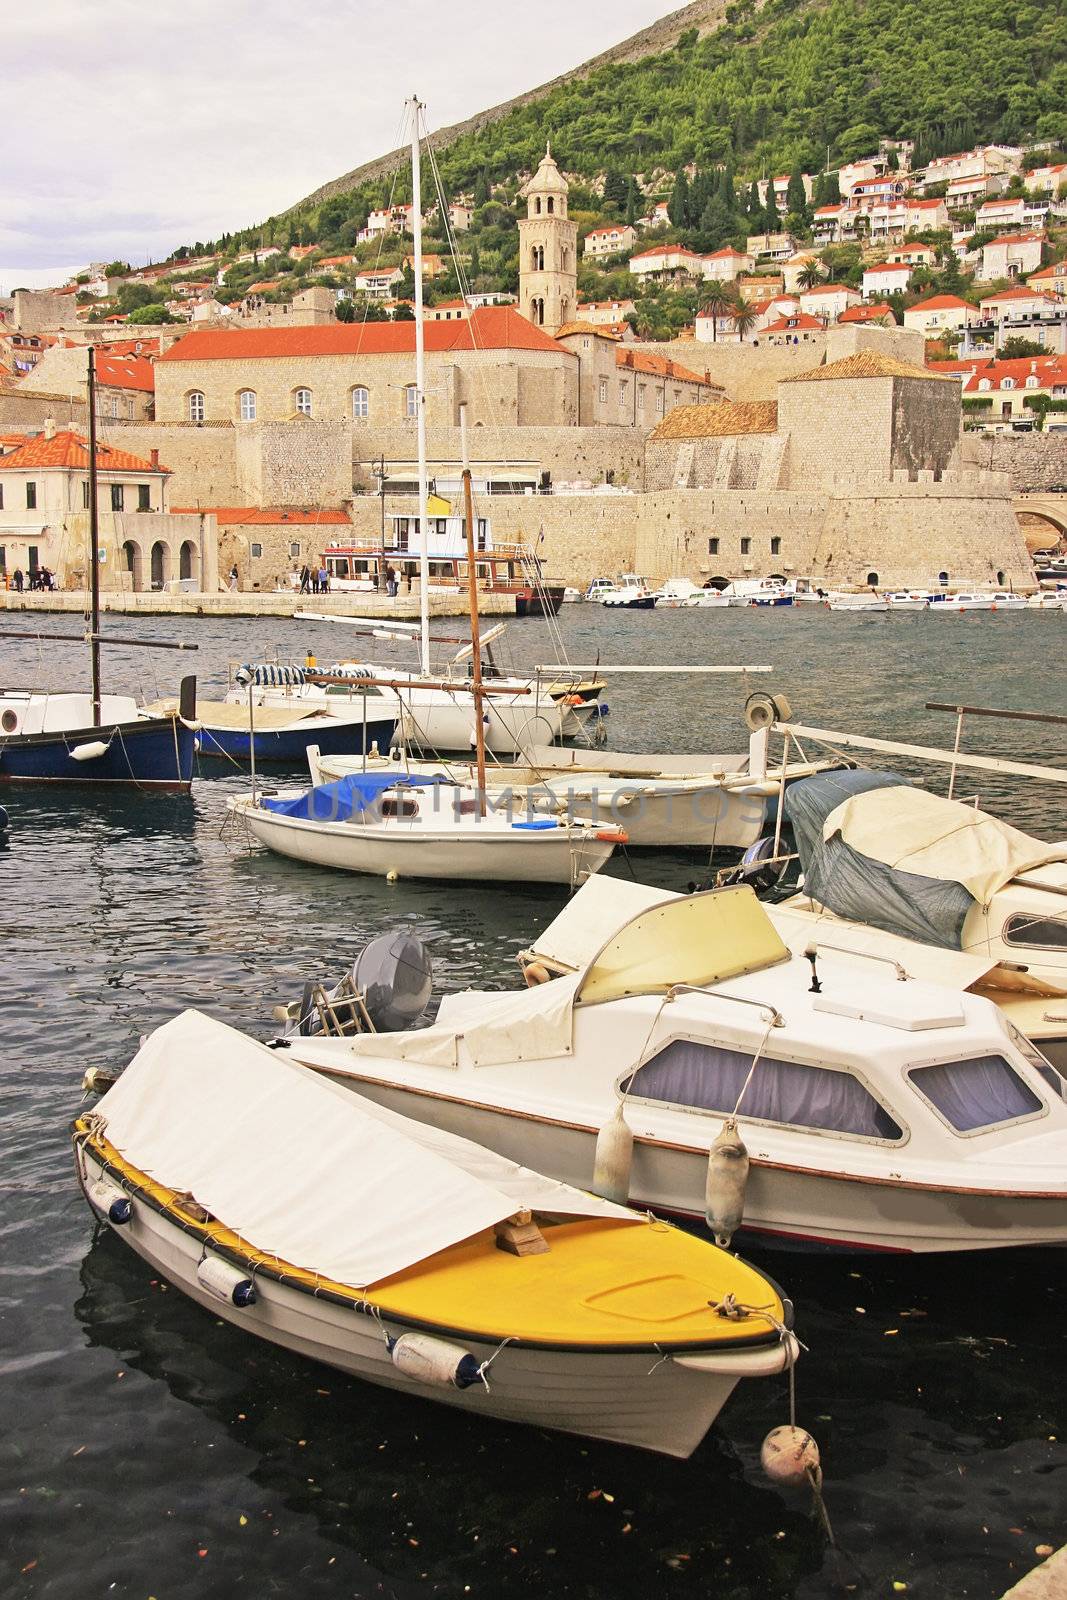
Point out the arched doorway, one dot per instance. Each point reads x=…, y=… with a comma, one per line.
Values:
x=187, y=560
x=160, y=564
x=131, y=564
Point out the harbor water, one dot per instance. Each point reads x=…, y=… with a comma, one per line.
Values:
x=149, y=1450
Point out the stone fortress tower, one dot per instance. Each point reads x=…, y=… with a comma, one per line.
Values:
x=548, y=250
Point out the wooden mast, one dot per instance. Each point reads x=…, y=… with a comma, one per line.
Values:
x=472, y=588
x=94, y=544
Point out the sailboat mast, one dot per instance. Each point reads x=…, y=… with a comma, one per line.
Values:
x=416, y=108
x=476, y=642
x=94, y=544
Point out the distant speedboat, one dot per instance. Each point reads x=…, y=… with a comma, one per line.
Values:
x=909, y=599
x=677, y=592
x=863, y=603
x=631, y=592
x=953, y=604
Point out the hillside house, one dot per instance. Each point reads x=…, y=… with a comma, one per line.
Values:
x=1003, y=387
x=1010, y=255
x=723, y=266
x=609, y=241
x=828, y=300
x=770, y=246
x=914, y=255
x=941, y=313
x=666, y=263
x=1048, y=183
x=887, y=277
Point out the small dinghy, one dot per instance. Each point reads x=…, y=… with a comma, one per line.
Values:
x=412, y=1258
x=396, y=824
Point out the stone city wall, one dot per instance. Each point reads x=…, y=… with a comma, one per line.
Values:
x=303, y=463
x=905, y=532
x=569, y=454
x=752, y=370
x=1033, y=461
x=19, y=409
x=202, y=460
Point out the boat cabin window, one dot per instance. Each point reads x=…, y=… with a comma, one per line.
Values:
x=400, y=805
x=1039, y=933
x=1041, y=1065
x=703, y=1077
x=982, y=1092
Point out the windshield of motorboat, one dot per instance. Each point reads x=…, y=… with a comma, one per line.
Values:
x=1041, y=1064
x=976, y=1094
x=696, y=939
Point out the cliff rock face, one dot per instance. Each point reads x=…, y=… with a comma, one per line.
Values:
x=704, y=15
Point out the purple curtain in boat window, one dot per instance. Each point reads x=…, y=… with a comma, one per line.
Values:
x=976, y=1093
x=710, y=1078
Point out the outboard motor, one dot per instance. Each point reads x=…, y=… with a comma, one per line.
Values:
x=386, y=990
x=758, y=868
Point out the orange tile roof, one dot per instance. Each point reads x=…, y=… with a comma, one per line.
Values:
x=1048, y=369
x=488, y=328
x=1018, y=238
x=718, y=421
x=829, y=288
x=125, y=372
x=595, y=330
x=265, y=516
x=71, y=450
x=787, y=324
x=942, y=302
x=660, y=367
x=866, y=364
x=1017, y=292
x=875, y=313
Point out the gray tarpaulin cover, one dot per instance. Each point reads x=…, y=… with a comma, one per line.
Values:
x=858, y=888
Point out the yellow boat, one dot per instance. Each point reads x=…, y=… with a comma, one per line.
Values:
x=413, y=1258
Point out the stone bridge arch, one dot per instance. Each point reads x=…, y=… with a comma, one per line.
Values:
x=1051, y=508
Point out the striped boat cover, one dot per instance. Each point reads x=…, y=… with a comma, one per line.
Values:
x=269, y=676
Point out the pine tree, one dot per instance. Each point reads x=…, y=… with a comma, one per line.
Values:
x=615, y=188
x=678, y=205
x=634, y=201
x=755, y=204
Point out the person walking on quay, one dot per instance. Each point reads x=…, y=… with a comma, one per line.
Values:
x=233, y=578
x=17, y=579
x=305, y=579
x=324, y=580
x=391, y=584
x=314, y=580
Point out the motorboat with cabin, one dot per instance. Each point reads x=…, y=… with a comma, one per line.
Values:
x=322, y=1223
x=361, y=566
x=870, y=1114
x=631, y=592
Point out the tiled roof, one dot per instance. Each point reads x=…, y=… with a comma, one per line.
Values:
x=266, y=516
x=718, y=421
x=1048, y=369
x=666, y=250
x=942, y=302
x=1018, y=238
x=923, y=205
x=866, y=364
x=659, y=367
x=125, y=372
x=828, y=288
x=71, y=450
x=875, y=313
x=488, y=328
x=728, y=253
x=890, y=266
x=796, y=321
x=1017, y=292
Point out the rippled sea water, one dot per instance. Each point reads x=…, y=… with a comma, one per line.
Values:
x=147, y=1450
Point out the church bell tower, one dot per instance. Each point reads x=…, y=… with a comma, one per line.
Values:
x=548, y=265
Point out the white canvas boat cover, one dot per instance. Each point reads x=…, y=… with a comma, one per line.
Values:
x=912, y=831
x=302, y=1168
x=600, y=908
x=493, y=1028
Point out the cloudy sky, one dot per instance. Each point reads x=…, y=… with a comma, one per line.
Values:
x=134, y=128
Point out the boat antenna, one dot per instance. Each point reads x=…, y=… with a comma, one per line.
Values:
x=94, y=545
x=415, y=107
x=472, y=584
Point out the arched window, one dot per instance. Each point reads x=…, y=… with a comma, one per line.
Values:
x=551, y=205
x=1000, y=580
x=411, y=401
x=360, y=404
x=302, y=401
x=872, y=580
x=1007, y=383
x=1033, y=382
x=246, y=405
x=537, y=206
x=195, y=406
x=984, y=383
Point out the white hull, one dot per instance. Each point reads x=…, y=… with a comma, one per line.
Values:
x=424, y=850
x=809, y=1209
x=601, y=1396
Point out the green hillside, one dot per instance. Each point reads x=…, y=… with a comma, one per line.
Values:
x=786, y=86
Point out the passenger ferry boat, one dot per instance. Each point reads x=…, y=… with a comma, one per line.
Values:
x=504, y=569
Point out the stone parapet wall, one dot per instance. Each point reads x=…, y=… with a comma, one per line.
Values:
x=906, y=533
x=202, y=460
x=749, y=371
x=1033, y=461
x=21, y=409
x=569, y=454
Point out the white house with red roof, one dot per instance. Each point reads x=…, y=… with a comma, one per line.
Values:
x=860, y=171
x=940, y=313
x=1050, y=181
x=922, y=215
x=875, y=315
x=1050, y=280
x=881, y=191
x=1003, y=387
x=44, y=516
x=888, y=277
x=915, y=255
x=799, y=327
x=666, y=263
x=456, y=310
x=1012, y=304
x=727, y=264
x=1010, y=255
x=1011, y=213
x=828, y=300
x=609, y=241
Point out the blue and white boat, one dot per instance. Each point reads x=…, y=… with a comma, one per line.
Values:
x=54, y=738
x=245, y=727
